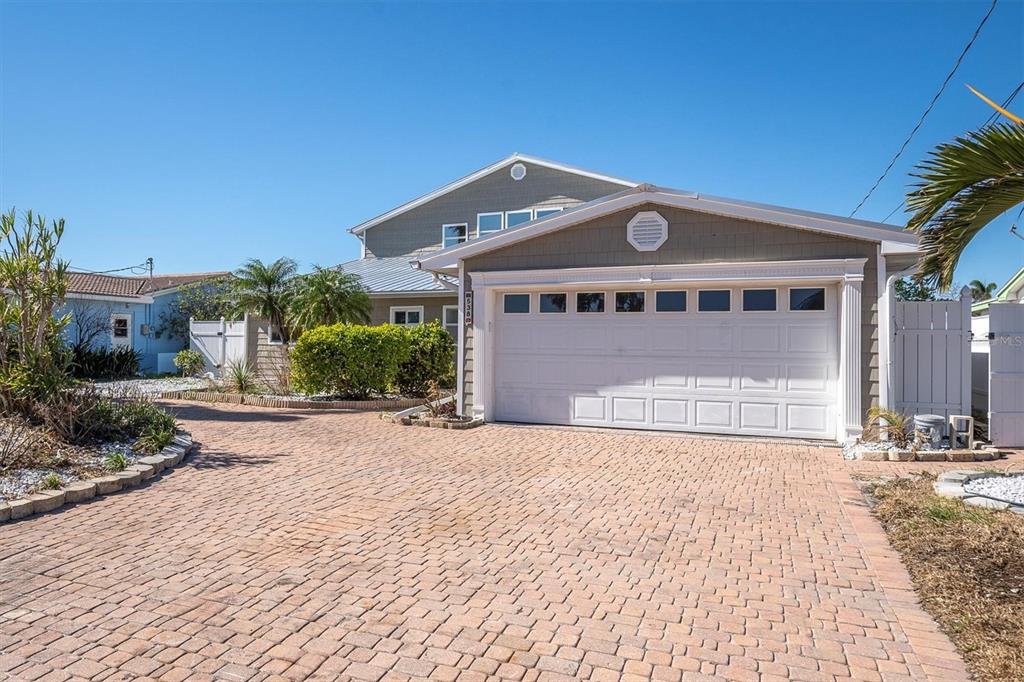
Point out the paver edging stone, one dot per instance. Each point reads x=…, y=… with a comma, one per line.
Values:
x=937, y=655
x=951, y=484
x=289, y=403
x=79, y=491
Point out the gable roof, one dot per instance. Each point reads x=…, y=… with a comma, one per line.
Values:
x=892, y=238
x=476, y=175
x=87, y=283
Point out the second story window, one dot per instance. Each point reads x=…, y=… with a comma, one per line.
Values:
x=513, y=218
x=545, y=212
x=453, y=234
x=487, y=223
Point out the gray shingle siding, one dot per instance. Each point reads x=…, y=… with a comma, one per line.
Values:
x=693, y=238
x=418, y=231
x=380, y=312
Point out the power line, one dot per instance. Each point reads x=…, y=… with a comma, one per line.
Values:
x=1006, y=103
x=135, y=269
x=931, y=104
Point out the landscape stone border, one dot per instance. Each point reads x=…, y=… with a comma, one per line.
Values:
x=951, y=484
x=79, y=491
x=290, y=403
x=411, y=417
x=962, y=455
x=436, y=423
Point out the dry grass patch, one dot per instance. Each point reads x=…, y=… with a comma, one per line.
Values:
x=967, y=565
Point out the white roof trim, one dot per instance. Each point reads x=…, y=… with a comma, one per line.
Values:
x=472, y=177
x=892, y=238
x=108, y=298
x=818, y=270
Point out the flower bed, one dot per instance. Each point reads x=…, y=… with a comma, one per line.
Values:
x=885, y=452
x=78, y=490
x=292, y=402
x=989, y=489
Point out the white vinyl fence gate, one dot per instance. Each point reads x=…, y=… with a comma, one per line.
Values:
x=1006, y=375
x=220, y=343
x=932, y=356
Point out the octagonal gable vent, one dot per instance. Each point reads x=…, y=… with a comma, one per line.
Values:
x=518, y=171
x=647, y=231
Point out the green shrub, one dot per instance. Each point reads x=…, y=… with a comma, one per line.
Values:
x=103, y=363
x=116, y=461
x=153, y=439
x=350, y=360
x=51, y=481
x=431, y=360
x=240, y=377
x=133, y=416
x=189, y=362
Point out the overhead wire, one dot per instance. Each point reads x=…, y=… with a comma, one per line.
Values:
x=1006, y=103
x=928, y=109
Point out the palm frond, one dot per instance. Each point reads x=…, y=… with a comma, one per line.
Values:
x=964, y=186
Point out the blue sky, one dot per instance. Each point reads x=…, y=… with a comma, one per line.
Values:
x=202, y=133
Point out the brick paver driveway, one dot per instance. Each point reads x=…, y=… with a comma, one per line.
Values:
x=337, y=546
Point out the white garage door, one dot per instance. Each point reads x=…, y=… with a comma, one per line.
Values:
x=757, y=360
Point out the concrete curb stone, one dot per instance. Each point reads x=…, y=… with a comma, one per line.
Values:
x=46, y=500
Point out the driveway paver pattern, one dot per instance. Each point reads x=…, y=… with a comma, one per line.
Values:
x=301, y=545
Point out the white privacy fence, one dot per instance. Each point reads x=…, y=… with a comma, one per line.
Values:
x=1006, y=374
x=221, y=343
x=932, y=356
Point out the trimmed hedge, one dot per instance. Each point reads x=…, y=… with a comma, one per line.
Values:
x=349, y=360
x=430, y=360
x=358, y=361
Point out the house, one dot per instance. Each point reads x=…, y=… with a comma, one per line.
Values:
x=1011, y=292
x=109, y=311
x=510, y=192
x=646, y=307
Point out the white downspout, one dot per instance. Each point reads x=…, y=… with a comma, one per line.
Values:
x=886, y=397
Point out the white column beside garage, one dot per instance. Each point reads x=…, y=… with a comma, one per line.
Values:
x=850, y=356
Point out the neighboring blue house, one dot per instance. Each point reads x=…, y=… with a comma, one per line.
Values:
x=108, y=311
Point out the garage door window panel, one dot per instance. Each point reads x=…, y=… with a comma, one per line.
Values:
x=587, y=302
x=714, y=301
x=807, y=299
x=670, y=302
x=629, y=301
x=760, y=300
x=516, y=303
x=553, y=303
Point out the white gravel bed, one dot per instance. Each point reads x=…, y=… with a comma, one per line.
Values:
x=153, y=386
x=23, y=482
x=1006, y=488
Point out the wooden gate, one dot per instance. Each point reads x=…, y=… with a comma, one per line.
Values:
x=1006, y=374
x=932, y=356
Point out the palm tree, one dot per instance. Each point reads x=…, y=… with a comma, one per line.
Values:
x=965, y=185
x=981, y=291
x=265, y=290
x=327, y=296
